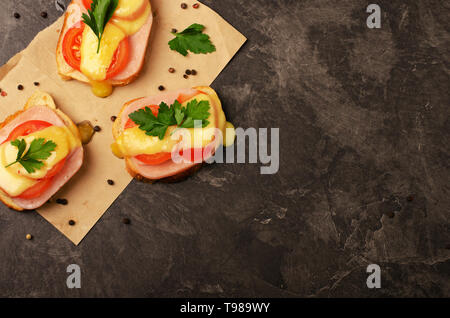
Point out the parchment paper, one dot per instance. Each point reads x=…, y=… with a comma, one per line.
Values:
x=88, y=193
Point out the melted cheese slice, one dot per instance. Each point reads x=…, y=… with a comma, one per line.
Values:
x=134, y=141
x=131, y=27
x=126, y=8
x=14, y=180
x=95, y=65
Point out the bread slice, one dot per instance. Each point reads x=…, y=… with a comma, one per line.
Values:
x=138, y=43
x=130, y=167
x=39, y=98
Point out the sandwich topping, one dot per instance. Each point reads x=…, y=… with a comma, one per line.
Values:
x=189, y=126
x=32, y=155
x=98, y=46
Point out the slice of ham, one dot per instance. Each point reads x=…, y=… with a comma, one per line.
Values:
x=73, y=162
x=168, y=168
x=138, y=42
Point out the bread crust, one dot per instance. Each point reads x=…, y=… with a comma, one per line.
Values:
x=67, y=73
x=37, y=99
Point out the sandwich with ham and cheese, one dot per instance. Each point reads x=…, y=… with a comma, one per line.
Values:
x=168, y=137
x=40, y=150
x=103, y=42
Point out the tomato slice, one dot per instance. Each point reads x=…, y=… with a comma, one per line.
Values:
x=72, y=54
x=27, y=128
x=120, y=59
x=72, y=44
x=130, y=123
x=56, y=169
x=36, y=190
x=156, y=159
x=87, y=3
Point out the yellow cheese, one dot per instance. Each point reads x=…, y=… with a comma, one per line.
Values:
x=126, y=8
x=130, y=27
x=14, y=180
x=95, y=65
x=134, y=141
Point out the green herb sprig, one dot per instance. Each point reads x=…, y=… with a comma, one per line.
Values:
x=176, y=114
x=98, y=16
x=192, y=39
x=31, y=160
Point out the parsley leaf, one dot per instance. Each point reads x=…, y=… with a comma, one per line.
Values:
x=192, y=39
x=100, y=13
x=39, y=150
x=183, y=117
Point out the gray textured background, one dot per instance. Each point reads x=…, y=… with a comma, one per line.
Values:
x=364, y=124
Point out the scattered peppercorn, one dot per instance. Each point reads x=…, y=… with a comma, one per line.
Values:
x=16, y=15
x=44, y=14
x=185, y=76
x=110, y=182
x=20, y=87
x=29, y=237
x=194, y=72
x=62, y=201
x=126, y=221
x=184, y=6
x=113, y=118
x=71, y=222
x=410, y=198
x=36, y=83
x=188, y=72
x=161, y=88
x=174, y=30
x=171, y=70
x=97, y=128
x=196, y=5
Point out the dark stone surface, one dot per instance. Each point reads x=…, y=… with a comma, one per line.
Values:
x=363, y=118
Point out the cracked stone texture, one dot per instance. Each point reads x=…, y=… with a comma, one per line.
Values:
x=363, y=118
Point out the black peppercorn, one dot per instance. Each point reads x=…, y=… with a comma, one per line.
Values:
x=36, y=83
x=161, y=88
x=194, y=72
x=20, y=87
x=62, y=201
x=184, y=6
x=110, y=182
x=126, y=221
x=174, y=30
x=171, y=70
x=44, y=14
x=188, y=72
x=113, y=118
x=71, y=222
x=97, y=128
x=16, y=15
x=185, y=76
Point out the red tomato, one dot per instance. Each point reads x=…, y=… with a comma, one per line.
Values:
x=87, y=3
x=27, y=128
x=120, y=59
x=185, y=97
x=36, y=190
x=56, y=169
x=130, y=123
x=155, y=159
x=72, y=44
x=72, y=55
